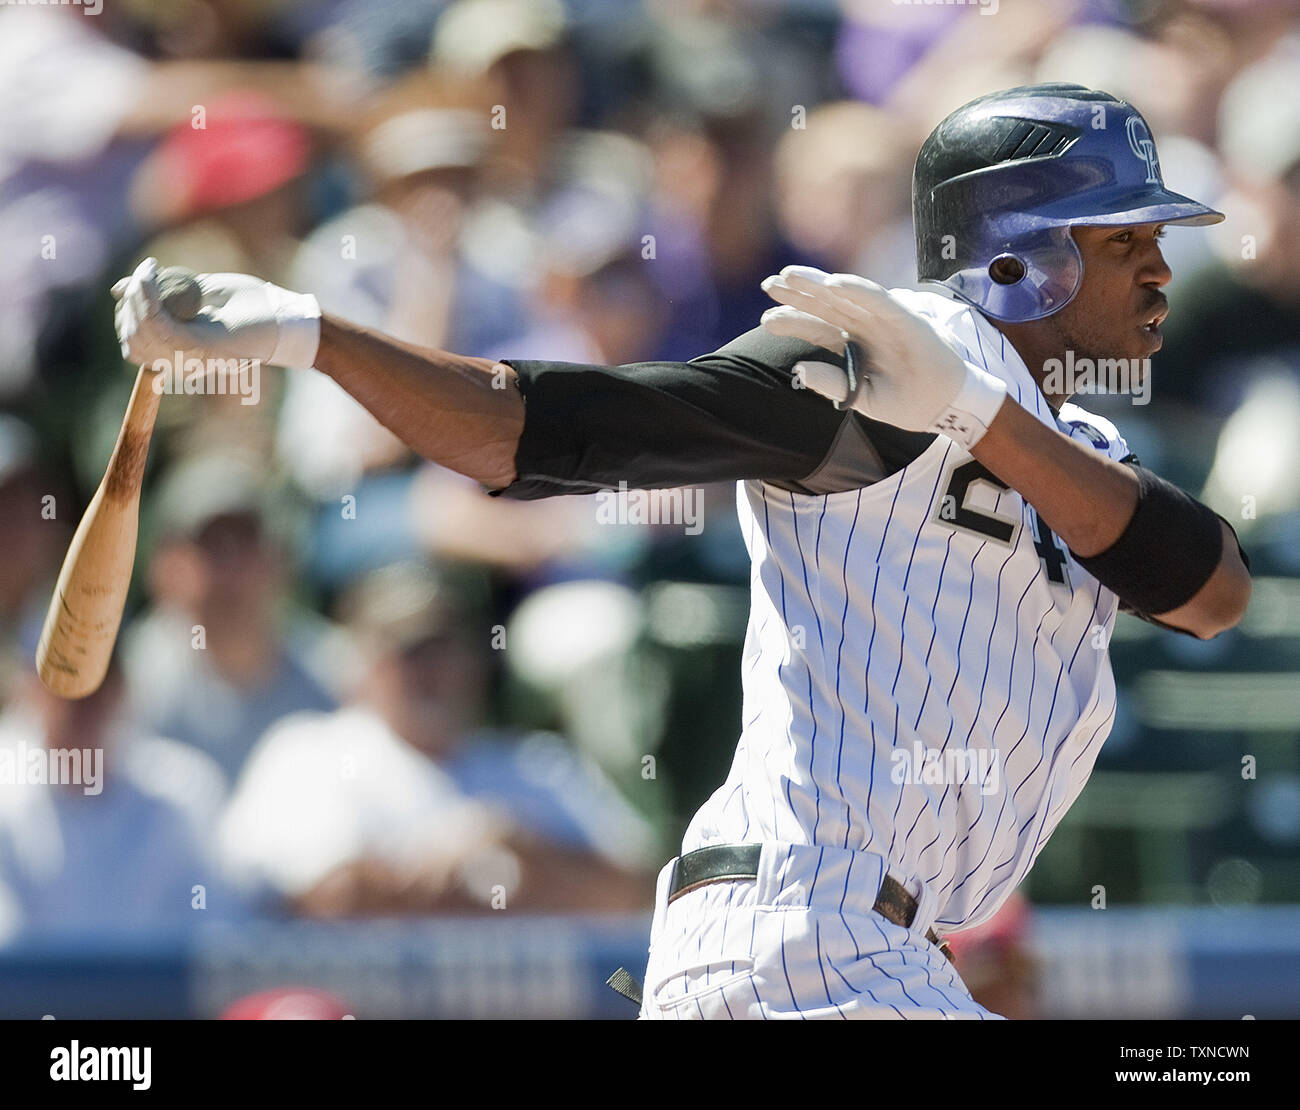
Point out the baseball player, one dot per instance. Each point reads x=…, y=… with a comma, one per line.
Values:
x=940, y=542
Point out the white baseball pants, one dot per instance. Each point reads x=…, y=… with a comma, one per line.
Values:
x=800, y=941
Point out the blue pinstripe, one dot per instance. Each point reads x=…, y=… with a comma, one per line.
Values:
x=839, y=671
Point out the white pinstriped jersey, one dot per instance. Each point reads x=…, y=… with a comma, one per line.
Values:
x=929, y=614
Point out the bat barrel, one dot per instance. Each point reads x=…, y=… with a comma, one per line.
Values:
x=85, y=612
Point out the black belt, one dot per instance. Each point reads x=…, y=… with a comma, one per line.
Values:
x=722, y=863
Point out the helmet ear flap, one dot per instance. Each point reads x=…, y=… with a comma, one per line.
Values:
x=1040, y=276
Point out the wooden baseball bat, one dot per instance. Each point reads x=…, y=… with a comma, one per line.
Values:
x=86, y=609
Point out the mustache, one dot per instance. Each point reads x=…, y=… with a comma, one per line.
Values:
x=1157, y=303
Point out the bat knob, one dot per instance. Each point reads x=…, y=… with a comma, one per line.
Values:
x=180, y=293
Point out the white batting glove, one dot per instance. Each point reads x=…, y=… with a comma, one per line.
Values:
x=911, y=378
x=243, y=317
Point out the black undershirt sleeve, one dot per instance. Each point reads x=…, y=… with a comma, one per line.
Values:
x=730, y=415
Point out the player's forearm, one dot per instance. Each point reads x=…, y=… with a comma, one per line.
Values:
x=1090, y=502
x=1084, y=497
x=461, y=412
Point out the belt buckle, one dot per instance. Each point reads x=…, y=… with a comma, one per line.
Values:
x=897, y=905
x=942, y=944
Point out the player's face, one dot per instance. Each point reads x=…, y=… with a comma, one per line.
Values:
x=1119, y=307
x=441, y=684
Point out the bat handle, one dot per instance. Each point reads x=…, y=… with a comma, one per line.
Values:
x=125, y=472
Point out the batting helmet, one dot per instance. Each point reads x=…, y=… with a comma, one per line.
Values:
x=1000, y=182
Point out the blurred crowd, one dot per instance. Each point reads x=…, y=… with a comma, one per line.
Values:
x=351, y=683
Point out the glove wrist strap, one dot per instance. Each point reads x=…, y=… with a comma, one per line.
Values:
x=971, y=412
x=299, y=339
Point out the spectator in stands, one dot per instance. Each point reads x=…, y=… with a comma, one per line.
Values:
x=230, y=196
x=395, y=262
x=103, y=828
x=66, y=95
x=230, y=192
x=32, y=536
x=216, y=659
x=715, y=232
x=400, y=803
x=417, y=272
x=1246, y=309
x=520, y=48
x=842, y=187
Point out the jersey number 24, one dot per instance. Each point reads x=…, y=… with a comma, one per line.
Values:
x=956, y=513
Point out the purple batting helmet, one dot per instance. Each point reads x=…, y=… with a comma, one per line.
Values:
x=1000, y=182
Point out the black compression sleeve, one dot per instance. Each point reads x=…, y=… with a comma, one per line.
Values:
x=733, y=414
x=1167, y=552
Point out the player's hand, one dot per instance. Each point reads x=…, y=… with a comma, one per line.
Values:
x=243, y=317
x=906, y=374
